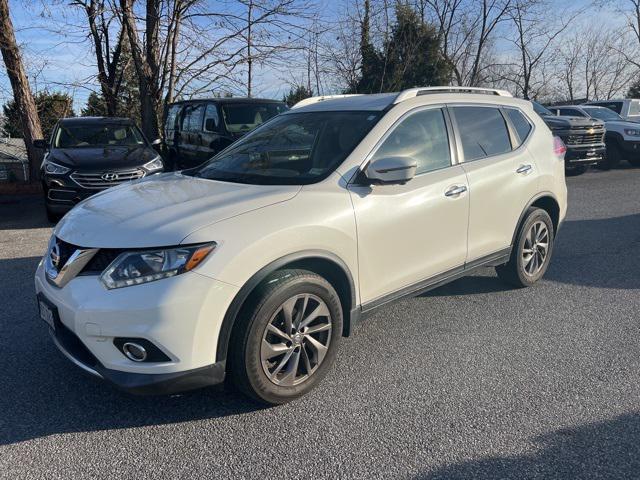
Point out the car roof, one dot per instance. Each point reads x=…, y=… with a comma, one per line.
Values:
x=227, y=100
x=95, y=120
x=382, y=101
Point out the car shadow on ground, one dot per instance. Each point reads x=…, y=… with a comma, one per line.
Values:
x=22, y=212
x=600, y=253
x=608, y=449
x=43, y=394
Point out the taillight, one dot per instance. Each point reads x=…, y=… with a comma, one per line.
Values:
x=559, y=148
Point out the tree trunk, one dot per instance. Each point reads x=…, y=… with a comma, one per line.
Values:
x=146, y=65
x=21, y=89
x=249, y=59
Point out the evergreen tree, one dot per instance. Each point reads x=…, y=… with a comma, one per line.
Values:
x=50, y=106
x=409, y=58
x=296, y=94
x=634, y=90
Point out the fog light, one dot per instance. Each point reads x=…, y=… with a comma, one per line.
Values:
x=134, y=352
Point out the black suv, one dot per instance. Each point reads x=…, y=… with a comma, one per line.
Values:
x=88, y=154
x=196, y=130
x=583, y=137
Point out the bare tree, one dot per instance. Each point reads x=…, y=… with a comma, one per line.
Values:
x=534, y=34
x=101, y=15
x=21, y=90
x=466, y=30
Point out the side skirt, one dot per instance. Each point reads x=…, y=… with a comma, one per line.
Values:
x=497, y=258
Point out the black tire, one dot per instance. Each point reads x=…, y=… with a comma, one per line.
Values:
x=515, y=271
x=614, y=155
x=52, y=217
x=635, y=161
x=574, y=170
x=266, y=306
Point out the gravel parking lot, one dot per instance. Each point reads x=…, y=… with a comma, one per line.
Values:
x=473, y=380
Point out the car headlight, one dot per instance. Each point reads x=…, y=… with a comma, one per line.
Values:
x=55, y=169
x=155, y=164
x=134, y=268
x=632, y=132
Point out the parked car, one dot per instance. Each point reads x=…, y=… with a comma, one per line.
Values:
x=583, y=137
x=86, y=155
x=627, y=108
x=195, y=130
x=256, y=263
x=622, y=137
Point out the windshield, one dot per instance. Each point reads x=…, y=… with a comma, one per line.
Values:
x=602, y=113
x=540, y=110
x=293, y=149
x=242, y=117
x=84, y=136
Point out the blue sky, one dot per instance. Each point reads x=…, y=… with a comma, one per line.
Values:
x=58, y=57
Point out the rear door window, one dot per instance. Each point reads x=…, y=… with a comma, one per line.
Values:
x=483, y=132
x=195, y=118
x=211, y=119
x=634, y=107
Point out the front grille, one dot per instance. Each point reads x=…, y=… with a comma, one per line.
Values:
x=98, y=263
x=101, y=261
x=585, y=138
x=65, y=250
x=102, y=180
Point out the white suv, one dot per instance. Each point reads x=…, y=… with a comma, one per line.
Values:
x=254, y=264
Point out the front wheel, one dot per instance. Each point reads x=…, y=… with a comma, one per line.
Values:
x=286, y=338
x=635, y=161
x=614, y=155
x=531, y=252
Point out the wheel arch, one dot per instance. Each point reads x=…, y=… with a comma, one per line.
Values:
x=324, y=263
x=547, y=202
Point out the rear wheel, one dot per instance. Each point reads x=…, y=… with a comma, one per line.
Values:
x=286, y=338
x=531, y=252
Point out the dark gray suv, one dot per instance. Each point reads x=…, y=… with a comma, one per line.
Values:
x=196, y=130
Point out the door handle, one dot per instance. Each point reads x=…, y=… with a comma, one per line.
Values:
x=524, y=169
x=455, y=191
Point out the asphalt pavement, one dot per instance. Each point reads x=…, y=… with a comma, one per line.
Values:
x=472, y=380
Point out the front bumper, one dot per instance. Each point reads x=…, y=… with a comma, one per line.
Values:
x=585, y=155
x=181, y=316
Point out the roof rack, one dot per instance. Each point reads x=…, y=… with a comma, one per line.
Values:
x=322, y=98
x=416, y=92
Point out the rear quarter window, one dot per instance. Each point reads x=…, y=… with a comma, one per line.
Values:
x=520, y=123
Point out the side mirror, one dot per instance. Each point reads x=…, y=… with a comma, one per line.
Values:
x=40, y=143
x=210, y=125
x=391, y=170
x=157, y=141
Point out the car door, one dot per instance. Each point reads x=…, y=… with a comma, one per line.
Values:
x=408, y=234
x=212, y=139
x=502, y=174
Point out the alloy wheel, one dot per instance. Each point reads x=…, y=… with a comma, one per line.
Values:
x=296, y=340
x=536, y=248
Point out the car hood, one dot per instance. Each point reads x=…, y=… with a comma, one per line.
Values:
x=622, y=124
x=162, y=210
x=103, y=158
x=562, y=122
